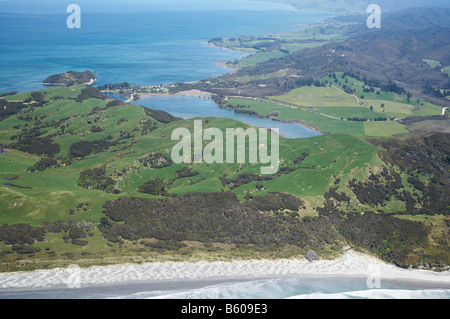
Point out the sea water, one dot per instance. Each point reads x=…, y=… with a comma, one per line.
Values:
x=276, y=288
x=300, y=288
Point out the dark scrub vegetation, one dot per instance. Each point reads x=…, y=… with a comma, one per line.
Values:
x=154, y=187
x=426, y=156
x=96, y=178
x=214, y=217
x=388, y=237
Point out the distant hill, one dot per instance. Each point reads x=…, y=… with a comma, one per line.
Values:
x=397, y=52
x=70, y=78
x=361, y=5
x=419, y=18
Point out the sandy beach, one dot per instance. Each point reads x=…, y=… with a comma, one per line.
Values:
x=196, y=93
x=193, y=93
x=176, y=275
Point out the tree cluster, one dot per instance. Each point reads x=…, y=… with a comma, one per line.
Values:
x=184, y=172
x=116, y=86
x=392, y=239
x=160, y=116
x=427, y=156
x=96, y=178
x=85, y=148
x=156, y=160
x=30, y=141
x=154, y=187
x=90, y=92
x=378, y=188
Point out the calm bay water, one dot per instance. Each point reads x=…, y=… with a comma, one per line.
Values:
x=188, y=107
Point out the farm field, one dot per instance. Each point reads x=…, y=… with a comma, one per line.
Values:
x=432, y=63
x=317, y=96
x=305, y=116
x=384, y=129
x=339, y=104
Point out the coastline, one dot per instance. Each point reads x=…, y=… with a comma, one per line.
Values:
x=177, y=275
x=223, y=65
x=91, y=81
x=173, y=275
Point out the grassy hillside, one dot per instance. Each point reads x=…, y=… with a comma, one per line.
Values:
x=89, y=179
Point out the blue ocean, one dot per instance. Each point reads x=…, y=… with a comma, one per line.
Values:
x=163, y=46
x=159, y=45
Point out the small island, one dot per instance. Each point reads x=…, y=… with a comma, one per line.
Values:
x=70, y=78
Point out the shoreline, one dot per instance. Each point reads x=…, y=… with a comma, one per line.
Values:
x=302, y=123
x=169, y=275
x=223, y=65
x=185, y=289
